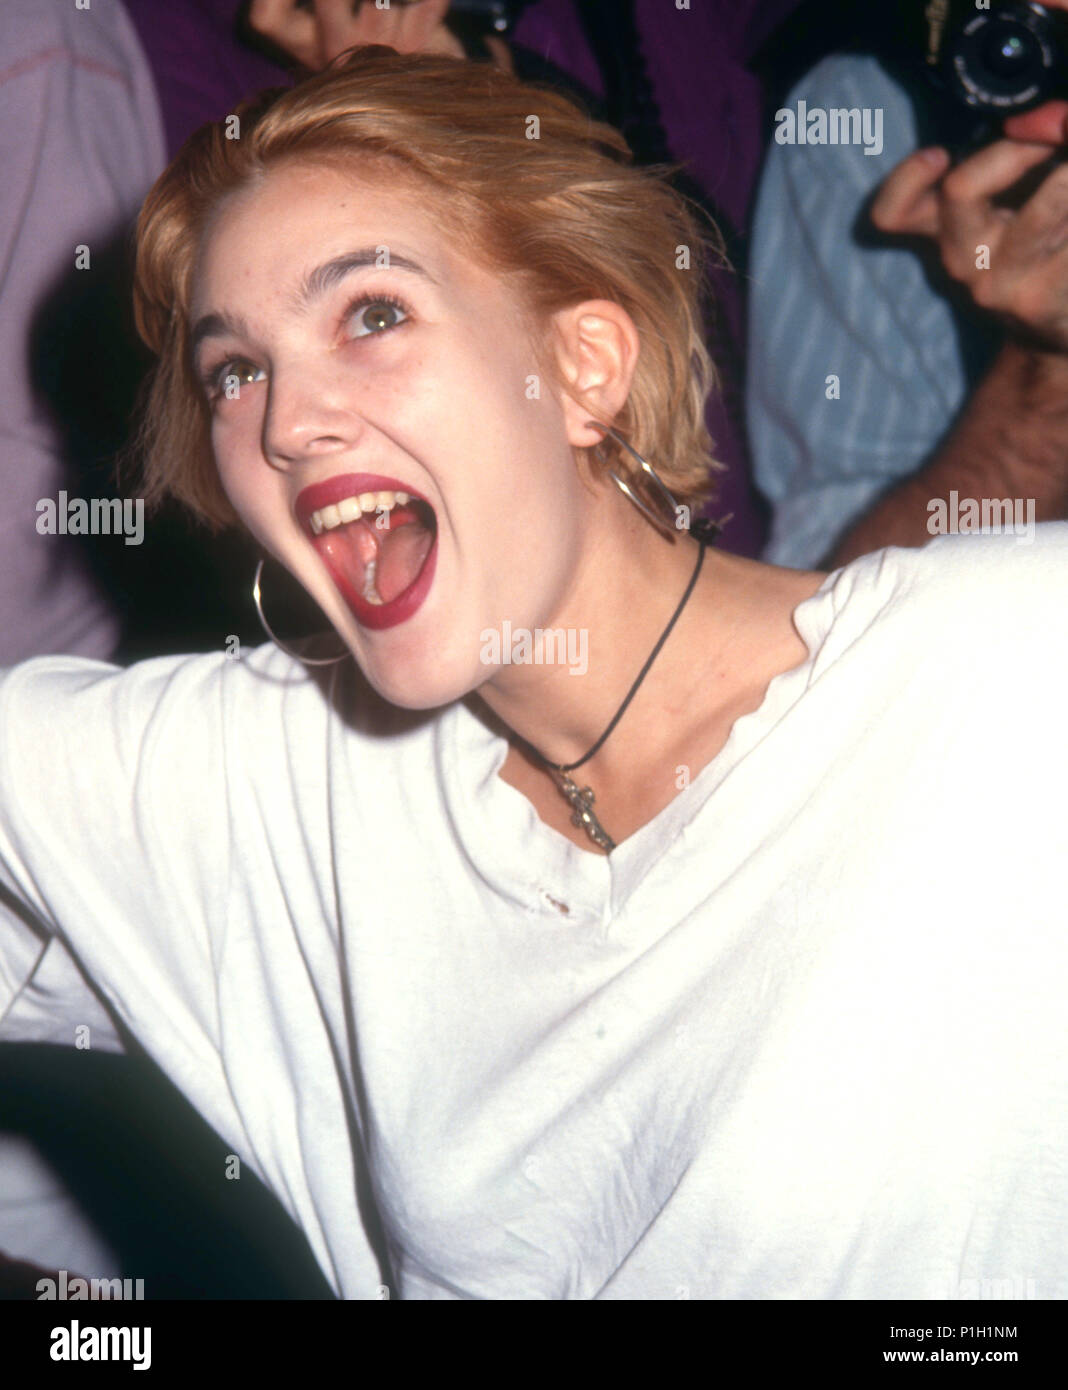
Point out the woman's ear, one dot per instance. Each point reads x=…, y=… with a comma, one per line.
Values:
x=597, y=348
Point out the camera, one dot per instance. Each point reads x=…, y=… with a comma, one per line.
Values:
x=999, y=61
x=494, y=16
x=485, y=16
x=978, y=65
x=965, y=64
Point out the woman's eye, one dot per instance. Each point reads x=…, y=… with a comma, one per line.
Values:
x=374, y=317
x=241, y=373
x=228, y=380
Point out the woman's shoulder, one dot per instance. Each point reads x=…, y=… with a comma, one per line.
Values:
x=198, y=675
x=183, y=703
x=959, y=644
x=243, y=706
x=996, y=585
x=976, y=622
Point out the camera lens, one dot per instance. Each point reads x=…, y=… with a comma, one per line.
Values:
x=1005, y=61
x=1009, y=50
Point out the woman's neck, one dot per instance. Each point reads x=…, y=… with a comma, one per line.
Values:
x=734, y=635
x=622, y=598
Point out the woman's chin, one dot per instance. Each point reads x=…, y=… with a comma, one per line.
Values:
x=413, y=687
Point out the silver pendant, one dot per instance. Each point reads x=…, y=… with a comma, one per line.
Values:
x=582, y=800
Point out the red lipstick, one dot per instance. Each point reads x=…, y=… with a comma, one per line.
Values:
x=340, y=556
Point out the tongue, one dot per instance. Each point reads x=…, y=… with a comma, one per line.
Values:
x=347, y=550
x=400, y=552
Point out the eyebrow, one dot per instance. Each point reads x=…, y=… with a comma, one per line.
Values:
x=216, y=326
x=315, y=284
x=324, y=277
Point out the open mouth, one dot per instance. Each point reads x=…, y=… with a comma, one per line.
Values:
x=377, y=540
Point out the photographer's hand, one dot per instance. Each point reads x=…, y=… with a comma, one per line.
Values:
x=1047, y=122
x=1011, y=439
x=315, y=34
x=1027, y=278
x=1023, y=274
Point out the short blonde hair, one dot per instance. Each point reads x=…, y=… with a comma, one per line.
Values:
x=525, y=180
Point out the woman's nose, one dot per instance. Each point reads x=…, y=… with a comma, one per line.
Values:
x=305, y=419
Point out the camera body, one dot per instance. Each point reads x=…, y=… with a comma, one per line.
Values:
x=492, y=16
x=478, y=16
x=1000, y=61
x=978, y=65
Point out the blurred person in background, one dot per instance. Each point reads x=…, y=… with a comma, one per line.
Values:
x=908, y=317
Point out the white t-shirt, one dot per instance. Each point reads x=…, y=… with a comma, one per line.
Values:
x=803, y=1035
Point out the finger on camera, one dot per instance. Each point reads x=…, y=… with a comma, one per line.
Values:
x=907, y=200
x=267, y=16
x=1044, y=216
x=291, y=29
x=420, y=24
x=280, y=19
x=993, y=170
x=337, y=29
x=1048, y=123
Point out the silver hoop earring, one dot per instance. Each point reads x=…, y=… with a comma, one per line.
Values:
x=702, y=530
x=307, y=660
x=649, y=471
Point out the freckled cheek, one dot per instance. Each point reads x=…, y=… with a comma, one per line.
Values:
x=250, y=484
x=263, y=513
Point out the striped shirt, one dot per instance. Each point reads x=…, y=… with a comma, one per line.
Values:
x=856, y=368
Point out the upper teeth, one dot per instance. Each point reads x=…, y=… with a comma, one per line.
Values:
x=352, y=508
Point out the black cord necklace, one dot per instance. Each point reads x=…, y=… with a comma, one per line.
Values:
x=582, y=799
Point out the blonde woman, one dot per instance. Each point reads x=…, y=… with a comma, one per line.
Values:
x=730, y=964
